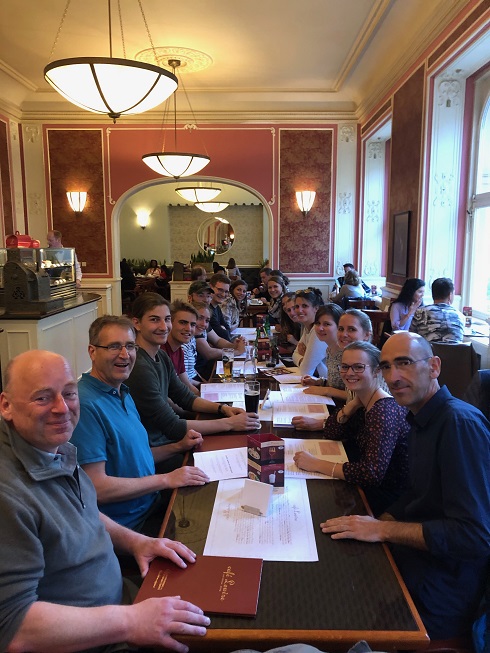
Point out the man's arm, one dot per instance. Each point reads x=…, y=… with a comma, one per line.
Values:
x=63, y=629
x=368, y=529
x=235, y=419
x=112, y=488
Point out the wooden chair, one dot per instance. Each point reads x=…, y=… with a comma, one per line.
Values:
x=360, y=302
x=378, y=319
x=459, y=362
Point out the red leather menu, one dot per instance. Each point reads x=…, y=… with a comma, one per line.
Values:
x=216, y=584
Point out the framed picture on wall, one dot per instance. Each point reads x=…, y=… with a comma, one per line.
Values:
x=401, y=232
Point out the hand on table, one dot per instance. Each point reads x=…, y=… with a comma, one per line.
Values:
x=185, y=476
x=353, y=527
x=145, y=549
x=190, y=440
x=154, y=622
x=307, y=423
x=306, y=461
x=244, y=422
x=310, y=380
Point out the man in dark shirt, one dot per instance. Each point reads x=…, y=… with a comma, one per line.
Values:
x=440, y=528
x=220, y=285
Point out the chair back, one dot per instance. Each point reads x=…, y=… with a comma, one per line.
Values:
x=360, y=302
x=459, y=362
x=378, y=319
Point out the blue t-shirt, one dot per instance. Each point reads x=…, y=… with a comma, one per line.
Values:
x=110, y=430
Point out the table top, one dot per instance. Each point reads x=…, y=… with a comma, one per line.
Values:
x=354, y=592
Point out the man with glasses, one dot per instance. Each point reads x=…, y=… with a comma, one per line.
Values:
x=220, y=285
x=440, y=528
x=112, y=443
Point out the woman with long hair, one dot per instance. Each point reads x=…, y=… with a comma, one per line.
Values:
x=289, y=329
x=309, y=354
x=408, y=301
x=352, y=287
x=374, y=429
x=154, y=269
x=232, y=270
x=235, y=305
x=276, y=289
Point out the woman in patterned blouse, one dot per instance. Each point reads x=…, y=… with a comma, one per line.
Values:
x=374, y=429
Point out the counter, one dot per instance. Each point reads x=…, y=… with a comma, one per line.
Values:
x=64, y=331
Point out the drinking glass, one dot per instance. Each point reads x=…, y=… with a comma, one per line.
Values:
x=252, y=396
x=228, y=357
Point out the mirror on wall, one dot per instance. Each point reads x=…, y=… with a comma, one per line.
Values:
x=155, y=222
x=216, y=234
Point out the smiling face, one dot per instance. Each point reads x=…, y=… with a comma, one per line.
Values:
x=240, y=292
x=413, y=371
x=359, y=380
x=350, y=330
x=153, y=328
x=112, y=367
x=221, y=292
x=288, y=307
x=326, y=330
x=305, y=312
x=203, y=297
x=274, y=289
x=202, y=322
x=41, y=399
x=183, y=327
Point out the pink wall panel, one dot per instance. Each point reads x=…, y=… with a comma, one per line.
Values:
x=5, y=181
x=238, y=153
x=305, y=164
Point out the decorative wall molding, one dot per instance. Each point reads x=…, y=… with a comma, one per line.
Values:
x=32, y=133
x=375, y=149
x=449, y=89
x=344, y=203
x=347, y=133
x=443, y=189
x=373, y=210
x=35, y=203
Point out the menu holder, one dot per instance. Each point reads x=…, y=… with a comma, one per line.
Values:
x=265, y=459
x=216, y=584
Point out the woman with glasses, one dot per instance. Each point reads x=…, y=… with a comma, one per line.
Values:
x=309, y=354
x=374, y=430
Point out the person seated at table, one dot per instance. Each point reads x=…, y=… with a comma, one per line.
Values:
x=327, y=319
x=128, y=280
x=408, y=301
x=276, y=289
x=200, y=291
x=235, y=305
x=439, y=529
x=374, y=429
x=261, y=292
x=198, y=273
x=153, y=381
x=232, y=270
x=184, y=318
x=154, y=269
x=112, y=443
x=351, y=287
x=278, y=273
x=289, y=329
x=209, y=345
x=341, y=280
x=220, y=285
x=309, y=354
x=440, y=321
x=61, y=586
x=218, y=269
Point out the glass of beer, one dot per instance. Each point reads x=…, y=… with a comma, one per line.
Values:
x=228, y=356
x=252, y=396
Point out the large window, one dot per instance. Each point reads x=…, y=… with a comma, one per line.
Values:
x=479, y=221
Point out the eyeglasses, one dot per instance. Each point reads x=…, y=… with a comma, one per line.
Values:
x=220, y=291
x=358, y=368
x=117, y=346
x=401, y=364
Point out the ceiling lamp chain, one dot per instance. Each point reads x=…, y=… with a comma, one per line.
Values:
x=110, y=85
x=175, y=164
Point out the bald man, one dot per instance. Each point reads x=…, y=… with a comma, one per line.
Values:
x=440, y=528
x=60, y=581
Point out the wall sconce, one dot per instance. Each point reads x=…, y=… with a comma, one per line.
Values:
x=77, y=200
x=142, y=219
x=305, y=199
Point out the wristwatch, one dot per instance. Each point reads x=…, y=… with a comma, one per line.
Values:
x=220, y=409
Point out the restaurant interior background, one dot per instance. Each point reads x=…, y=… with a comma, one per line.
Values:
x=369, y=104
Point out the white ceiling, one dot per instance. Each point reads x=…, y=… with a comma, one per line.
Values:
x=271, y=59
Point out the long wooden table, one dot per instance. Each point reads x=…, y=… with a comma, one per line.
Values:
x=354, y=592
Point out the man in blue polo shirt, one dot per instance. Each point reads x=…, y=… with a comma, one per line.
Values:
x=112, y=443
